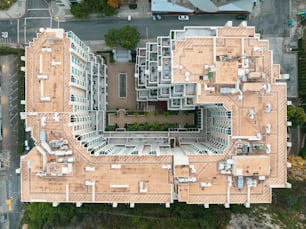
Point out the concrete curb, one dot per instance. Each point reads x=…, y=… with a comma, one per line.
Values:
x=16, y=11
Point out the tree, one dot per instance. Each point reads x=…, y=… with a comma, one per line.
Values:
x=111, y=38
x=128, y=37
x=296, y=115
x=114, y=3
x=96, y=6
x=83, y=9
x=38, y=215
x=108, y=10
x=80, y=10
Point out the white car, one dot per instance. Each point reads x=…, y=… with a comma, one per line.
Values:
x=26, y=145
x=183, y=18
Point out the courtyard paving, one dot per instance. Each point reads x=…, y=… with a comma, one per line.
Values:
x=120, y=118
x=121, y=105
x=114, y=101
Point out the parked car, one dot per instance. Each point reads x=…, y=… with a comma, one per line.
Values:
x=26, y=145
x=156, y=17
x=241, y=17
x=183, y=17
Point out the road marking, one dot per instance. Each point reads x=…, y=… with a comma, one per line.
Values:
x=9, y=204
x=37, y=9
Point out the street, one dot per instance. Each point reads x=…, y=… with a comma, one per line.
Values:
x=9, y=101
x=272, y=22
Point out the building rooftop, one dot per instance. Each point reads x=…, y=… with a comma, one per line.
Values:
x=236, y=154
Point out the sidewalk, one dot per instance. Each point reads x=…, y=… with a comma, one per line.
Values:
x=143, y=10
x=296, y=30
x=17, y=10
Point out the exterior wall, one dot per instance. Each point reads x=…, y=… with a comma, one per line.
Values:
x=237, y=155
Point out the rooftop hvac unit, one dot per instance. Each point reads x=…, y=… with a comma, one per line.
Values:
x=166, y=167
x=187, y=179
x=142, y=188
x=115, y=166
x=205, y=184
x=251, y=114
x=89, y=169
x=251, y=183
x=268, y=107
x=240, y=182
x=261, y=178
x=268, y=148
x=41, y=174
x=268, y=128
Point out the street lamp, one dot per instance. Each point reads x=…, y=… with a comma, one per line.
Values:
x=57, y=19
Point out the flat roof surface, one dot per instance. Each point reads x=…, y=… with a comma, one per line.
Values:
x=251, y=165
x=155, y=179
x=226, y=72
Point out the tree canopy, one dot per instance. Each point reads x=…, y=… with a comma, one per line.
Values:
x=39, y=215
x=80, y=11
x=111, y=38
x=127, y=37
x=114, y=3
x=296, y=115
x=83, y=9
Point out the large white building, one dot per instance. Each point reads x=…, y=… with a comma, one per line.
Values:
x=236, y=154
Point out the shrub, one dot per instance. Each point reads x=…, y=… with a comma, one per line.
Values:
x=133, y=6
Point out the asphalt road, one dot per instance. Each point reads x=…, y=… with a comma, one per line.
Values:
x=9, y=100
x=96, y=28
x=272, y=22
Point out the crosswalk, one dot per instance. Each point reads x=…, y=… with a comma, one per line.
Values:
x=14, y=196
x=5, y=158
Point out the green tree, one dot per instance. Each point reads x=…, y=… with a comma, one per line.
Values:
x=296, y=115
x=108, y=10
x=38, y=215
x=96, y=6
x=80, y=10
x=128, y=37
x=111, y=38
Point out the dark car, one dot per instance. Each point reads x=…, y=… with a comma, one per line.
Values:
x=241, y=17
